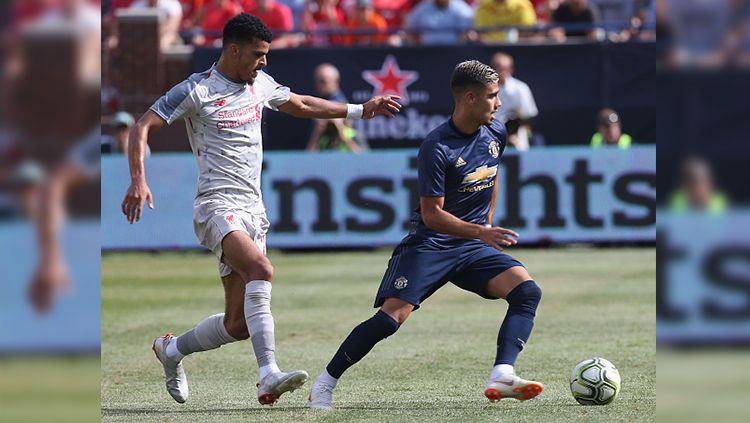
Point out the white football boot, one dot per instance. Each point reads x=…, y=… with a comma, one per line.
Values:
x=174, y=374
x=321, y=397
x=511, y=386
x=275, y=384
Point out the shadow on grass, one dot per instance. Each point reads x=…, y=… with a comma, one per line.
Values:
x=127, y=411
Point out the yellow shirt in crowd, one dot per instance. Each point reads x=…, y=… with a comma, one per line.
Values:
x=492, y=13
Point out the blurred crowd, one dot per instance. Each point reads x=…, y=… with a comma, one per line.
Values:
x=399, y=22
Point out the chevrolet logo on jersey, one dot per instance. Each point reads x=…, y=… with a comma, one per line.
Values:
x=480, y=174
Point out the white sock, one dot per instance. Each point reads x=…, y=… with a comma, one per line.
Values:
x=172, y=352
x=502, y=370
x=209, y=334
x=260, y=324
x=326, y=378
x=267, y=370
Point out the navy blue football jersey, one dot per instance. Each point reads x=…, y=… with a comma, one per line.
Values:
x=462, y=168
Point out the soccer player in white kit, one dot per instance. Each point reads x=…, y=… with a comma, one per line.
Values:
x=222, y=108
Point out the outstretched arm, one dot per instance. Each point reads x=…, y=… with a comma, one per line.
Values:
x=138, y=192
x=305, y=106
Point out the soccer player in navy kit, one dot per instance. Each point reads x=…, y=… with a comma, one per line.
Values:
x=452, y=240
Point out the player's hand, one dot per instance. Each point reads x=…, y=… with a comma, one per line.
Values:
x=497, y=237
x=385, y=105
x=132, y=205
x=49, y=280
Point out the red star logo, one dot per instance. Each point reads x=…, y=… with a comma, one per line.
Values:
x=390, y=79
x=220, y=102
x=230, y=218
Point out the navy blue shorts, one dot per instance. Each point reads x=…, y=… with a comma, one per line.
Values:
x=418, y=268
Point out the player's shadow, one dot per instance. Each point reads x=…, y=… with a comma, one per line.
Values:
x=128, y=411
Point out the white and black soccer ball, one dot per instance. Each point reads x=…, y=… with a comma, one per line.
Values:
x=595, y=381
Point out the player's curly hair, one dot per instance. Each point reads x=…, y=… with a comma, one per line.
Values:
x=472, y=74
x=244, y=28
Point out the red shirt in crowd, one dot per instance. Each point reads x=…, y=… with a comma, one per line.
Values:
x=217, y=16
x=276, y=16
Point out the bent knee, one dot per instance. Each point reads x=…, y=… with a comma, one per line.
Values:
x=236, y=327
x=398, y=310
x=525, y=296
x=259, y=270
x=534, y=291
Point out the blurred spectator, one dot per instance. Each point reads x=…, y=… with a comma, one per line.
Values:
x=439, y=21
x=394, y=11
x=208, y=22
x=171, y=16
x=277, y=17
x=86, y=18
x=79, y=167
x=109, y=26
x=331, y=134
x=364, y=17
x=122, y=123
x=544, y=9
x=697, y=191
x=190, y=8
x=321, y=16
x=618, y=16
x=577, y=16
x=297, y=7
x=497, y=13
x=517, y=105
x=701, y=31
x=28, y=10
x=610, y=131
x=648, y=27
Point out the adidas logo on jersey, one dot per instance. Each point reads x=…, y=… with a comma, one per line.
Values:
x=460, y=162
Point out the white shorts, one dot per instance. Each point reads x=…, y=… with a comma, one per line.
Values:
x=212, y=222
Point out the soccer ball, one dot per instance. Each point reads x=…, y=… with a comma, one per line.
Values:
x=595, y=381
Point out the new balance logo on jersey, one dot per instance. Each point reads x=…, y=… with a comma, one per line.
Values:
x=460, y=162
x=481, y=173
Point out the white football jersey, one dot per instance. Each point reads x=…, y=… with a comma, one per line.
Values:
x=223, y=119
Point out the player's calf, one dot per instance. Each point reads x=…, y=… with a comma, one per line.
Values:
x=359, y=342
x=236, y=326
x=523, y=301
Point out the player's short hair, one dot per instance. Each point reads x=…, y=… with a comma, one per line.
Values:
x=244, y=28
x=472, y=74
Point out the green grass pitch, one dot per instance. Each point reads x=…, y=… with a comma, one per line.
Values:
x=597, y=302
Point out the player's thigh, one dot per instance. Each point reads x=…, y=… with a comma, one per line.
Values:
x=234, y=306
x=488, y=272
x=243, y=255
x=415, y=272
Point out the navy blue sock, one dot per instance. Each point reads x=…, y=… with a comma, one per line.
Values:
x=361, y=341
x=516, y=328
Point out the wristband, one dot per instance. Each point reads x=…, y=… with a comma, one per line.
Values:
x=487, y=225
x=354, y=111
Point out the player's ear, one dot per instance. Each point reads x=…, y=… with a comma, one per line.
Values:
x=234, y=49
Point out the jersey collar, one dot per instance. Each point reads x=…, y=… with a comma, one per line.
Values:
x=223, y=75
